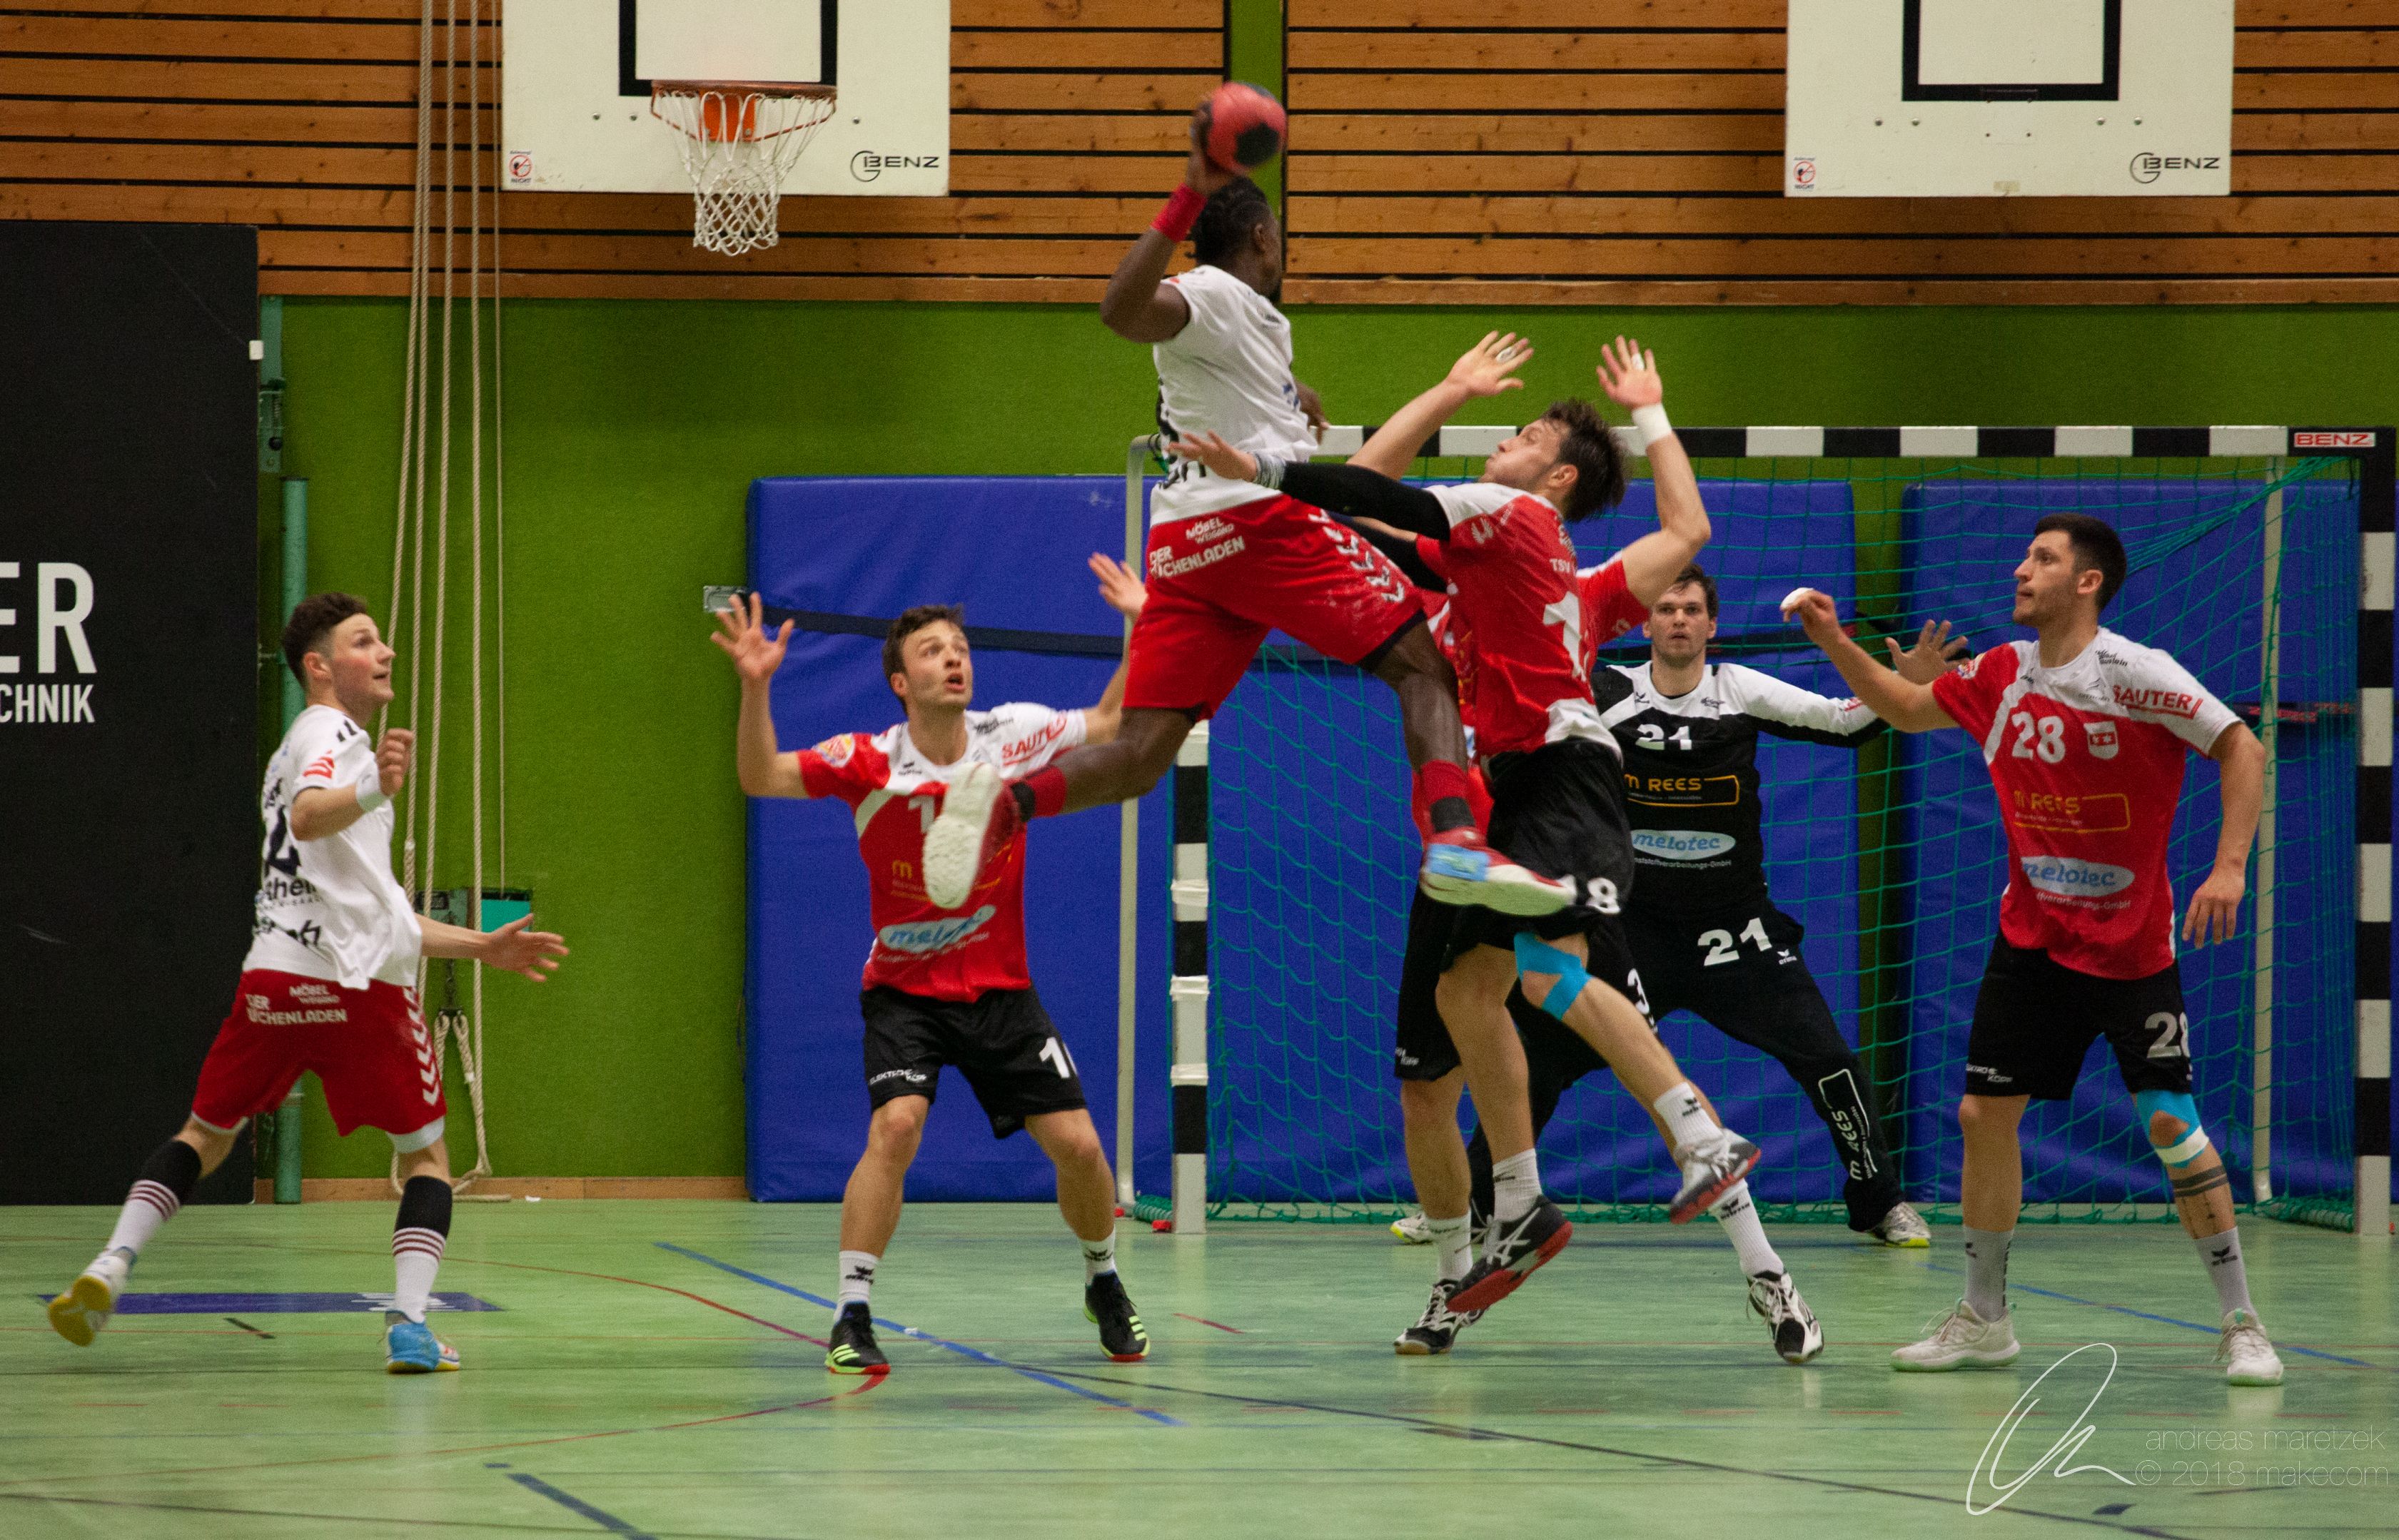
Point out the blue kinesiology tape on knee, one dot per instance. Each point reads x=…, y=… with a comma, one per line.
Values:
x=2179, y=1106
x=1534, y=956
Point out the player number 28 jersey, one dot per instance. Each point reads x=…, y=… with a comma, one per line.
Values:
x=894, y=793
x=1526, y=623
x=330, y=908
x=2087, y=760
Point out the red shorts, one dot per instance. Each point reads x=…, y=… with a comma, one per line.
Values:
x=1219, y=583
x=367, y=1045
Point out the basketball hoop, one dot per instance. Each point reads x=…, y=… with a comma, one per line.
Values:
x=738, y=138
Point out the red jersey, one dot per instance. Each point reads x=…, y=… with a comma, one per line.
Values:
x=1525, y=625
x=894, y=793
x=2087, y=760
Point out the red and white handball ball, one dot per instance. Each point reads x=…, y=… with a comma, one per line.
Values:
x=1244, y=127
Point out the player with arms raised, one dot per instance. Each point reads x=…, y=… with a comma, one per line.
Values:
x=1230, y=561
x=330, y=984
x=2083, y=734
x=944, y=989
x=1529, y=628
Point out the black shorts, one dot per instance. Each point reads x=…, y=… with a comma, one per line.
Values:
x=1553, y=1053
x=1559, y=810
x=2035, y=1018
x=1002, y=1041
x=1732, y=967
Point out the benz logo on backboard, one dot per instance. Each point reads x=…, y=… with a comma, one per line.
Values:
x=2332, y=440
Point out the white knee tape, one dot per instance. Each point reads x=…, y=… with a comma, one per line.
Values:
x=2190, y=1148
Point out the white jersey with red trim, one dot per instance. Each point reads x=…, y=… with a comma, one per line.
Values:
x=1227, y=373
x=1525, y=623
x=894, y=793
x=328, y=908
x=2087, y=760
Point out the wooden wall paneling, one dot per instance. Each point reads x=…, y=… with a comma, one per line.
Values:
x=1592, y=150
x=300, y=117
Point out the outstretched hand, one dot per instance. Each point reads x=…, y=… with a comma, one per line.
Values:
x=1486, y=366
x=1203, y=175
x=1234, y=464
x=742, y=634
x=1628, y=375
x=1935, y=652
x=519, y=949
x=1123, y=590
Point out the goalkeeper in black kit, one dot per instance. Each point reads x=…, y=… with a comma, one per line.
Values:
x=1702, y=928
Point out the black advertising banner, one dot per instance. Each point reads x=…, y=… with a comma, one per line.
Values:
x=128, y=759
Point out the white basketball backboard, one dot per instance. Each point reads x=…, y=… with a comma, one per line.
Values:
x=1981, y=99
x=575, y=92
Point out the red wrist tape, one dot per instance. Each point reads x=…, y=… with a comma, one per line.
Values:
x=1182, y=212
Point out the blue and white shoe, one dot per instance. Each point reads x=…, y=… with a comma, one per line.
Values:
x=410, y=1347
x=1460, y=868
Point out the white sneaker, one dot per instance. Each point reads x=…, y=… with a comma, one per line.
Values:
x=977, y=814
x=1961, y=1340
x=1412, y=1229
x=1797, y=1336
x=1710, y=1167
x=79, y=1314
x=2247, y=1356
x=1902, y=1226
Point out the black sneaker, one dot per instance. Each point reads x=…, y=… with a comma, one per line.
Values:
x=1514, y=1251
x=1121, y=1338
x=1436, y=1331
x=852, y=1350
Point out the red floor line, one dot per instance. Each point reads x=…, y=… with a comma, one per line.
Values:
x=1218, y=1325
x=858, y=1390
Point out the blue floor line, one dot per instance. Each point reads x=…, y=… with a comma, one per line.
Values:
x=572, y=1504
x=960, y=1348
x=2164, y=1320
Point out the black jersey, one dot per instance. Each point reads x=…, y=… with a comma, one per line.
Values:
x=1690, y=776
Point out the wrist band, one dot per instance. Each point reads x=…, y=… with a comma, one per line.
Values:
x=1651, y=421
x=1269, y=474
x=369, y=788
x=1182, y=212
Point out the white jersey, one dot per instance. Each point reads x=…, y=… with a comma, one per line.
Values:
x=330, y=908
x=1227, y=373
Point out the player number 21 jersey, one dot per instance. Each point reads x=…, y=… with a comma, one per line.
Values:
x=328, y=908
x=2087, y=759
x=894, y=793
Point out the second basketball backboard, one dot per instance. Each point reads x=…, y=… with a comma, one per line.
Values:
x=576, y=107
x=1972, y=99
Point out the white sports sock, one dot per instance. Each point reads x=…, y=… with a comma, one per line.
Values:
x=1986, y=1271
x=150, y=1204
x=415, y=1257
x=857, y=1276
x=1515, y=1186
x=1456, y=1243
x=1100, y=1256
x=1739, y=1217
x=2222, y=1254
x=1685, y=1112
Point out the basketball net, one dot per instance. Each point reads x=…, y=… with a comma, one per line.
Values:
x=739, y=140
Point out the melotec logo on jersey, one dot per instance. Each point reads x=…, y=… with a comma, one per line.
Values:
x=1681, y=845
x=924, y=937
x=62, y=601
x=2071, y=878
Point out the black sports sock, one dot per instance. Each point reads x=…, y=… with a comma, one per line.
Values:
x=174, y=1166
x=425, y=1205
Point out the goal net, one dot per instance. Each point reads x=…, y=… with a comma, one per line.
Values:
x=1892, y=857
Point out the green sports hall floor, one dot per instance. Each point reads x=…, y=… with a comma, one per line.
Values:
x=653, y=1369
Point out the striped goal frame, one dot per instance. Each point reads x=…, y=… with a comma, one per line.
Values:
x=2375, y=452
